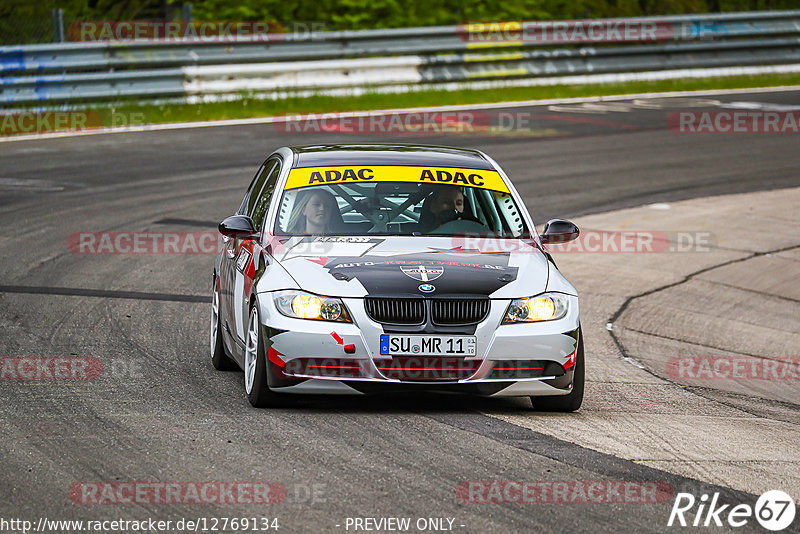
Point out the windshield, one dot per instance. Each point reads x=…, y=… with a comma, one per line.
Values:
x=407, y=201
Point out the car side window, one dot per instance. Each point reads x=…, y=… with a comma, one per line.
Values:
x=261, y=205
x=255, y=186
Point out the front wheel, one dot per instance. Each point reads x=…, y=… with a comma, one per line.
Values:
x=572, y=401
x=255, y=366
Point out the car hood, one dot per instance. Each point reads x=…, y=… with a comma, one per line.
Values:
x=413, y=266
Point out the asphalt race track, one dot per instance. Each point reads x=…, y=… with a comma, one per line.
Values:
x=160, y=413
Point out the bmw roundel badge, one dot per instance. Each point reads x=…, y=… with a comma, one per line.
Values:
x=427, y=288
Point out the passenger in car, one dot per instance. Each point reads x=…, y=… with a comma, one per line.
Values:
x=315, y=212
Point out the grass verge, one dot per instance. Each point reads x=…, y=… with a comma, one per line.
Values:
x=252, y=107
x=124, y=113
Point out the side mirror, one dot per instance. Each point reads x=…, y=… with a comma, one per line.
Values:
x=238, y=226
x=559, y=231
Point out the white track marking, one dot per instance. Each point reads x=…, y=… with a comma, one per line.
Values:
x=761, y=106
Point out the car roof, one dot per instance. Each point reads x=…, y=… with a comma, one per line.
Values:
x=388, y=154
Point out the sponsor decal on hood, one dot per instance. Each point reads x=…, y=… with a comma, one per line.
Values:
x=358, y=266
x=463, y=274
x=423, y=273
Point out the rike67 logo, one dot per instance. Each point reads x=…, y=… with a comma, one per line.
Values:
x=774, y=510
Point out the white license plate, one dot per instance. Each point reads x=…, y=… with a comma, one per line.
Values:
x=401, y=345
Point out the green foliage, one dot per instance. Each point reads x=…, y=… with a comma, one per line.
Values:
x=23, y=21
x=361, y=14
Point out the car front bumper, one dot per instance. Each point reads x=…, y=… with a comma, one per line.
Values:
x=309, y=357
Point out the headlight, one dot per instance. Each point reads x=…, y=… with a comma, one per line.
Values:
x=546, y=307
x=302, y=305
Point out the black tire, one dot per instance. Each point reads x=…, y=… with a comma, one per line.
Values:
x=219, y=357
x=260, y=395
x=573, y=401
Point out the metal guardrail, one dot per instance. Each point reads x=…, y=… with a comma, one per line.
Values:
x=64, y=72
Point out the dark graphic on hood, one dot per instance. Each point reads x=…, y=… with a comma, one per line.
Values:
x=449, y=274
